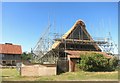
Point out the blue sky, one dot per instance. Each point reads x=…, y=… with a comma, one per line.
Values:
x=23, y=23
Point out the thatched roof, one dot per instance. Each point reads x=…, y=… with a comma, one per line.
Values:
x=74, y=26
x=71, y=31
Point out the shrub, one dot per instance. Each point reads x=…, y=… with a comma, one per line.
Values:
x=113, y=62
x=97, y=62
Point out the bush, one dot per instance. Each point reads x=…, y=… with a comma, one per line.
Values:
x=97, y=62
x=113, y=62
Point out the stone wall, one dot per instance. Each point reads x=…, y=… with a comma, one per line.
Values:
x=37, y=70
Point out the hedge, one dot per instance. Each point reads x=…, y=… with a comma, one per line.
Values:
x=97, y=62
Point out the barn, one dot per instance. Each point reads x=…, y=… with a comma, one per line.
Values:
x=66, y=50
x=10, y=54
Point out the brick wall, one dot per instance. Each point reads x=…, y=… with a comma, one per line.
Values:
x=38, y=70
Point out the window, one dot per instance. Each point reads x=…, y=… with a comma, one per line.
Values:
x=3, y=55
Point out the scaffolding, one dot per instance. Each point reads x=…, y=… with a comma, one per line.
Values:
x=44, y=53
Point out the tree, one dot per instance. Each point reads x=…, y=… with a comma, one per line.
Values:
x=26, y=56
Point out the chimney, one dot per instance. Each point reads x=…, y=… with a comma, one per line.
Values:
x=9, y=43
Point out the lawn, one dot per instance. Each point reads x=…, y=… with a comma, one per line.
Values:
x=13, y=75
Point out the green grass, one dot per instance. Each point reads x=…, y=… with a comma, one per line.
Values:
x=9, y=72
x=84, y=76
x=13, y=75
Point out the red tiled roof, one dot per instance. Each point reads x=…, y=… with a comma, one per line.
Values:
x=76, y=54
x=10, y=49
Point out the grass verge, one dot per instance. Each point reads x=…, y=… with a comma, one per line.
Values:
x=13, y=75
